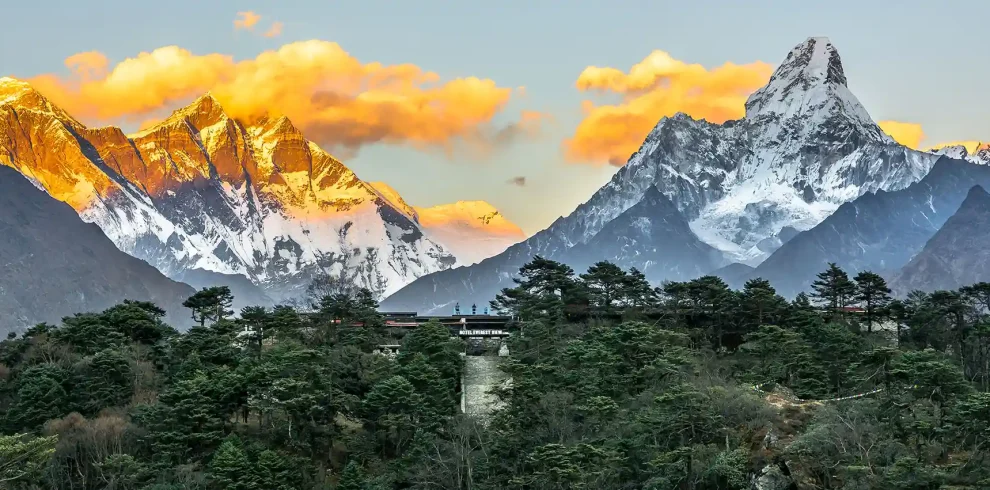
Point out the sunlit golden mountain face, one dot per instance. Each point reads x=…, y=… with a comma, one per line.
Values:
x=196, y=143
x=203, y=190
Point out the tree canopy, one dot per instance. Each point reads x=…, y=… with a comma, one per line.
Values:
x=614, y=383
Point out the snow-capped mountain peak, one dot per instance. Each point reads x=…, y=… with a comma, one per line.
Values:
x=811, y=84
x=980, y=154
x=958, y=152
x=23, y=96
x=805, y=146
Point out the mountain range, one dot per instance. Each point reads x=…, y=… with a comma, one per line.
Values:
x=805, y=178
x=745, y=187
x=252, y=204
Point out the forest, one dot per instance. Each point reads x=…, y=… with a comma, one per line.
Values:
x=615, y=384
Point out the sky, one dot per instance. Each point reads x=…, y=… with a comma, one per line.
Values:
x=493, y=101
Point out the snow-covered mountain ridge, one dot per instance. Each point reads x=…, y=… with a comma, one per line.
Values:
x=805, y=146
x=201, y=190
x=980, y=154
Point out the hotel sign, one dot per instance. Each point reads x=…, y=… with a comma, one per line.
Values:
x=483, y=333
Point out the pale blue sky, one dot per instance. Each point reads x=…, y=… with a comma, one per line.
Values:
x=917, y=61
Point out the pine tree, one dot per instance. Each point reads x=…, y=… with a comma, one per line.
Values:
x=230, y=468
x=211, y=304
x=275, y=472
x=543, y=290
x=873, y=294
x=352, y=477
x=604, y=281
x=802, y=314
x=833, y=289
x=636, y=291
x=760, y=305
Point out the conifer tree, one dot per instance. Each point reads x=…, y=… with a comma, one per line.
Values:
x=760, y=305
x=543, y=289
x=230, y=468
x=604, y=281
x=833, y=289
x=352, y=478
x=636, y=290
x=210, y=304
x=873, y=295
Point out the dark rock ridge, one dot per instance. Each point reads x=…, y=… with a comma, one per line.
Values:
x=651, y=236
x=957, y=255
x=880, y=231
x=53, y=265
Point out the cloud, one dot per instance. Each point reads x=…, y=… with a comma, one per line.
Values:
x=246, y=20
x=658, y=86
x=518, y=180
x=529, y=125
x=88, y=65
x=336, y=99
x=275, y=30
x=907, y=134
x=911, y=135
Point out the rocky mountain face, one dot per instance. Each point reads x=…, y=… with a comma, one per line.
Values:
x=55, y=265
x=879, y=231
x=651, y=236
x=203, y=191
x=979, y=156
x=957, y=255
x=805, y=146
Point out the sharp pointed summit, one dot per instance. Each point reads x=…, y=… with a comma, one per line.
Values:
x=810, y=85
x=811, y=65
x=20, y=95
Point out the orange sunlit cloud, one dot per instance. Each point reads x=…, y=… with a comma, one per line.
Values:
x=908, y=134
x=911, y=135
x=336, y=99
x=246, y=20
x=275, y=30
x=658, y=86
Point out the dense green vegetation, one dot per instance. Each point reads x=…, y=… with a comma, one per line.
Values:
x=614, y=384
